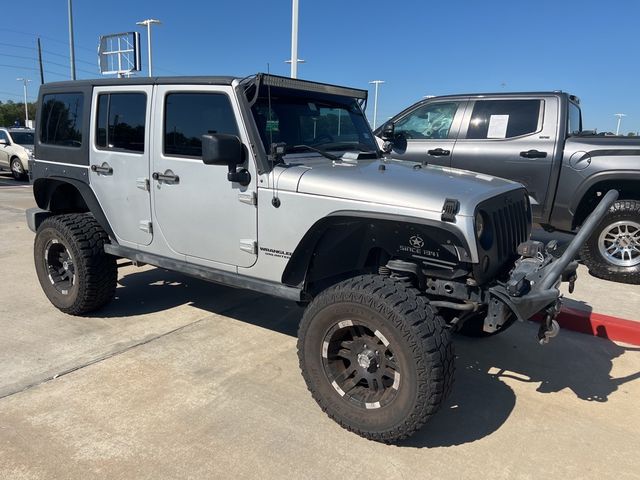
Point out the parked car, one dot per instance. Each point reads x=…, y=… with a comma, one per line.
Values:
x=275, y=185
x=16, y=149
x=537, y=140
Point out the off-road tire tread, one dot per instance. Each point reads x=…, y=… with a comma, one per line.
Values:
x=426, y=332
x=96, y=271
x=598, y=267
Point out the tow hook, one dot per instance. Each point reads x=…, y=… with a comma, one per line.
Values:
x=550, y=327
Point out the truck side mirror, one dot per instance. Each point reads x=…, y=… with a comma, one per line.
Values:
x=224, y=149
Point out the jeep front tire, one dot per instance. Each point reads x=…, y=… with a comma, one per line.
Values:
x=376, y=357
x=77, y=276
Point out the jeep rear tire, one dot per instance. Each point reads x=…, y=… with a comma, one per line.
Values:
x=77, y=276
x=613, y=251
x=376, y=357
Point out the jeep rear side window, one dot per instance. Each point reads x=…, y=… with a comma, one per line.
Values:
x=121, y=121
x=61, y=119
x=188, y=116
x=428, y=121
x=503, y=118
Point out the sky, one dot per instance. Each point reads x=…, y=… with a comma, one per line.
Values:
x=418, y=47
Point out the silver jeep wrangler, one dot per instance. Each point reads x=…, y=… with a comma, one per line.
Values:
x=277, y=185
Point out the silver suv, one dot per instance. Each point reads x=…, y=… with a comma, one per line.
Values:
x=277, y=185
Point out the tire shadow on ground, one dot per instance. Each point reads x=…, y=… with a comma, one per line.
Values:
x=482, y=399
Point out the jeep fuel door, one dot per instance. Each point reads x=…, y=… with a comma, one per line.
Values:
x=513, y=138
x=199, y=211
x=119, y=159
x=428, y=132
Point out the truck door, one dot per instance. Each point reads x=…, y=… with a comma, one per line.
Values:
x=119, y=159
x=428, y=132
x=513, y=138
x=200, y=213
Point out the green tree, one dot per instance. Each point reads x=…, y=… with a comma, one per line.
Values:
x=11, y=111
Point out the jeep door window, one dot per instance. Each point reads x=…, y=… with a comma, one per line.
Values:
x=575, y=119
x=324, y=121
x=428, y=121
x=61, y=119
x=499, y=119
x=188, y=116
x=121, y=121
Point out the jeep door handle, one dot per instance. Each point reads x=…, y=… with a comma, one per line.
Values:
x=439, y=152
x=533, y=154
x=103, y=169
x=167, y=177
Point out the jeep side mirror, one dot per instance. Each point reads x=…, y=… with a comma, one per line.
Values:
x=388, y=131
x=223, y=149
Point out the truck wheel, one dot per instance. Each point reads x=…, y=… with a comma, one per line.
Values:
x=613, y=251
x=376, y=357
x=17, y=171
x=77, y=276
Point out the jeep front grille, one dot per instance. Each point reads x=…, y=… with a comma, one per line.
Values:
x=511, y=223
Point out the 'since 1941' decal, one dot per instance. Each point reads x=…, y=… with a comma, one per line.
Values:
x=416, y=244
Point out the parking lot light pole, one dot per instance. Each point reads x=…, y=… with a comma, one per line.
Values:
x=375, y=101
x=72, y=53
x=619, y=115
x=25, y=81
x=294, y=61
x=148, y=22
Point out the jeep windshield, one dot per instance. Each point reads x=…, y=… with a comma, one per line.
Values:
x=312, y=123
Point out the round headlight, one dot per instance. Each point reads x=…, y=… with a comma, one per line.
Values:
x=479, y=225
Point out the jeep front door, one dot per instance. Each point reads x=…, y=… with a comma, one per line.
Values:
x=427, y=133
x=119, y=159
x=201, y=214
x=511, y=138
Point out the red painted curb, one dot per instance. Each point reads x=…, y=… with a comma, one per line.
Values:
x=599, y=325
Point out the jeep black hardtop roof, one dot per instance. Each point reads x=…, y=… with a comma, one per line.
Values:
x=273, y=80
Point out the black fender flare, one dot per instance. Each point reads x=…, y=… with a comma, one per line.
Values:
x=44, y=188
x=343, y=241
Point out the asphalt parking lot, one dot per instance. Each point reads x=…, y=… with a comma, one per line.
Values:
x=178, y=378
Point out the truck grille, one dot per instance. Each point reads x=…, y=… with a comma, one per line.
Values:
x=511, y=223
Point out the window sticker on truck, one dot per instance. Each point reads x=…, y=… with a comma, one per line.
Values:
x=498, y=126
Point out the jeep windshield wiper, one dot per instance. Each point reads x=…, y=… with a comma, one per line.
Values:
x=293, y=148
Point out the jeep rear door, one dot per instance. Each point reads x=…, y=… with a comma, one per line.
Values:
x=201, y=214
x=427, y=131
x=119, y=154
x=513, y=138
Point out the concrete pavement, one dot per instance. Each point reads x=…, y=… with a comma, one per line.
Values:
x=178, y=378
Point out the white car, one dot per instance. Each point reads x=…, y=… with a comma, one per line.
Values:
x=16, y=149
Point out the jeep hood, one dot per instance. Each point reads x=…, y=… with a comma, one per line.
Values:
x=397, y=183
